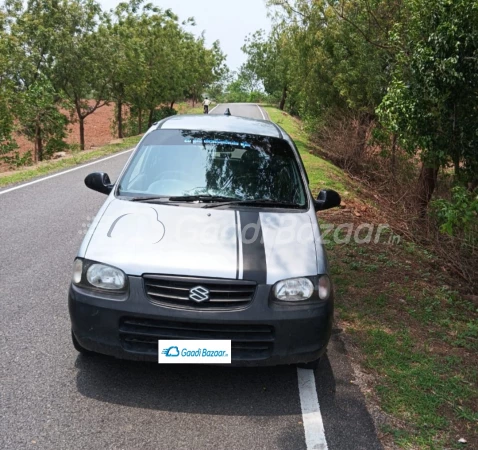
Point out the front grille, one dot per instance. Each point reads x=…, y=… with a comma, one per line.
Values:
x=174, y=291
x=248, y=342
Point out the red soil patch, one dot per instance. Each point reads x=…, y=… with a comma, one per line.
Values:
x=97, y=131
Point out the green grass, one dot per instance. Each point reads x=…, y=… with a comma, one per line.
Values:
x=413, y=332
x=186, y=108
x=416, y=386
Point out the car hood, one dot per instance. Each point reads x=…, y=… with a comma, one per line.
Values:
x=142, y=238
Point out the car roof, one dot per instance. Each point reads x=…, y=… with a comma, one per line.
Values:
x=231, y=124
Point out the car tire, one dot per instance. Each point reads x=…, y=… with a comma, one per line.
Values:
x=312, y=365
x=78, y=346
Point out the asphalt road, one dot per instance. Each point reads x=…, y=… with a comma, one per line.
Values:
x=53, y=398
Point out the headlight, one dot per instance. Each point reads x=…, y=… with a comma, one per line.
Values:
x=295, y=289
x=90, y=274
x=106, y=277
x=325, y=287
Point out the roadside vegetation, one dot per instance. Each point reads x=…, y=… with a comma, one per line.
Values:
x=75, y=157
x=404, y=317
x=72, y=159
x=388, y=91
x=60, y=61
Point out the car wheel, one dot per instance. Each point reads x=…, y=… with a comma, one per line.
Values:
x=312, y=365
x=78, y=346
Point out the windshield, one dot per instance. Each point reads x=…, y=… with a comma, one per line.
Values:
x=174, y=163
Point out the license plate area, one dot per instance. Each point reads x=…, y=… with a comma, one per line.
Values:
x=194, y=351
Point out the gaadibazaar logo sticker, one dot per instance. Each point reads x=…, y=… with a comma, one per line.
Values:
x=194, y=352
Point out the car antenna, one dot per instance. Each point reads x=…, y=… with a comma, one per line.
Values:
x=227, y=112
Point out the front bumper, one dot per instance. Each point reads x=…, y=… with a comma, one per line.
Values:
x=264, y=333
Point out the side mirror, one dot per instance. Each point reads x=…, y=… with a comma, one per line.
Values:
x=100, y=182
x=327, y=199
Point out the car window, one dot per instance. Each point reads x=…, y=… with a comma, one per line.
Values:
x=243, y=167
x=139, y=166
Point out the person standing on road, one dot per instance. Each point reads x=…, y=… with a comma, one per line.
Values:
x=206, y=104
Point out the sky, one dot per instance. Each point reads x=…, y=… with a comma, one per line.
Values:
x=228, y=21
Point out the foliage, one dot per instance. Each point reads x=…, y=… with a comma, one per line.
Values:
x=7, y=144
x=338, y=55
x=163, y=112
x=458, y=217
x=31, y=34
x=404, y=72
x=41, y=119
x=269, y=61
x=243, y=87
x=15, y=160
x=432, y=100
x=70, y=54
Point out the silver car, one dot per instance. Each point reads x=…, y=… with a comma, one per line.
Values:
x=210, y=233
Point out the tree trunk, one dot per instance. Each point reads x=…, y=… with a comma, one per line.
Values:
x=172, y=104
x=119, y=106
x=82, y=132
x=456, y=165
x=362, y=129
x=38, y=144
x=150, y=118
x=393, y=158
x=427, y=182
x=283, y=99
x=81, y=119
x=140, y=121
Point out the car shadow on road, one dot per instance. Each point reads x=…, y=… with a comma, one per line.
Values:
x=258, y=394
x=263, y=401
x=214, y=390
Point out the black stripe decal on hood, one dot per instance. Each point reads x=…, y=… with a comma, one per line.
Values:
x=253, y=250
x=238, y=242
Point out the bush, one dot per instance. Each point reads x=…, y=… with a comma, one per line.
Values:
x=15, y=160
x=163, y=112
x=460, y=215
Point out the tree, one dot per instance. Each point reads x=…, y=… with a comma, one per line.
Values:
x=7, y=92
x=68, y=54
x=432, y=102
x=269, y=59
x=204, y=67
x=159, y=62
x=84, y=59
x=42, y=122
x=31, y=42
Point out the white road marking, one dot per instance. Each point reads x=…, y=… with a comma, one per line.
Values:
x=311, y=417
x=214, y=108
x=6, y=191
x=260, y=109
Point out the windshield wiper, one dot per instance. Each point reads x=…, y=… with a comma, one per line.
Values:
x=259, y=202
x=202, y=198
x=153, y=199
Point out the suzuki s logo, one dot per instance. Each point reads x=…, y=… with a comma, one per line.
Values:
x=199, y=294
